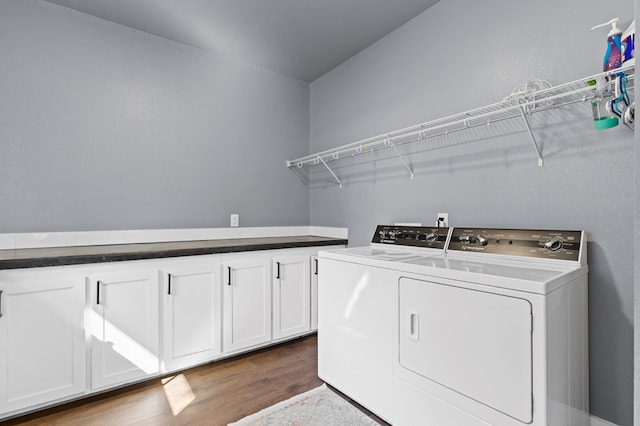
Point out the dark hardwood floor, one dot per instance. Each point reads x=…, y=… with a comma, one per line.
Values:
x=212, y=394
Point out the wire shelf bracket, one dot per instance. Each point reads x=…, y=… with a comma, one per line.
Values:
x=330, y=171
x=533, y=138
x=395, y=148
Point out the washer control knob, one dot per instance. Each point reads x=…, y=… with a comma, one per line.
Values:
x=554, y=244
x=431, y=237
x=464, y=239
x=481, y=240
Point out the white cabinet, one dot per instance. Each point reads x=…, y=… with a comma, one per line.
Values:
x=192, y=316
x=314, y=292
x=42, y=342
x=124, y=324
x=78, y=330
x=247, y=303
x=291, y=295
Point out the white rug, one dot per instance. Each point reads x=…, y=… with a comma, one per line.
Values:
x=317, y=407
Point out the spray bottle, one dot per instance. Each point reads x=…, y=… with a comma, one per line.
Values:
x=613, y=55
x=603, y=117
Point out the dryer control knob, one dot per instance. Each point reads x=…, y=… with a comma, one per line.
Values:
x=431, y=237
x=464, y=239
x=553, y=244
x=481, y=240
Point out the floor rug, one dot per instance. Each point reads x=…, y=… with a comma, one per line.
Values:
x=317, y=407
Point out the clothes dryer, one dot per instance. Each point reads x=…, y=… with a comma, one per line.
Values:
x=494, y=332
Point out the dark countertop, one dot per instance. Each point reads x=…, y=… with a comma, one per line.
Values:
x=59, y=256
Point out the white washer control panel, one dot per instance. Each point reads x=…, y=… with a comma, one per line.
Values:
x=413, y=236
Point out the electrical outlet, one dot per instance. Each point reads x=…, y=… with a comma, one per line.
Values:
x=235, y=220
x=442, y=219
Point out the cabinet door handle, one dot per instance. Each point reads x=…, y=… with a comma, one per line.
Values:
x=169, y=284
x=316, y=262
x=0, y=303
x=229, y=271
x=277, y=270
x=98, y=292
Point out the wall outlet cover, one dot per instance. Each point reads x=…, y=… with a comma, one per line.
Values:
x=235, y=220
x=442, y=219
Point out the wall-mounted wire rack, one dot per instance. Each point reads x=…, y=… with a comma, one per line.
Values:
x=531, y=98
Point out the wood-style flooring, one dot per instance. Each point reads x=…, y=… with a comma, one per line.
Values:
x=214, y=394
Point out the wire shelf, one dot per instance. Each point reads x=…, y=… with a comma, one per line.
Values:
x=531, y=98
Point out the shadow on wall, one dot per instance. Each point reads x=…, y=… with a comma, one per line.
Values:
x=462, y=154
x=610, y=340
x=565, y=131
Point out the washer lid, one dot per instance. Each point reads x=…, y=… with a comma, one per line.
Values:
x=375, y=252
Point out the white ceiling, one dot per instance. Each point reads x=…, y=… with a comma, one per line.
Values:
x=299, y=38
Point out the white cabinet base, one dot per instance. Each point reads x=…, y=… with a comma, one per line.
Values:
x=70, y=332
x=42, y=342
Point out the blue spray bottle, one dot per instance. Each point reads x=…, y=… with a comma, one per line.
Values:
x=613, y=55
x=603, y=116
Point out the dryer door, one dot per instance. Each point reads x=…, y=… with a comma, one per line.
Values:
x=475, y=343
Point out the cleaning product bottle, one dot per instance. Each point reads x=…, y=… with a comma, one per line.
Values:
x=603, y=117
x=613, y=55
x=629, y=44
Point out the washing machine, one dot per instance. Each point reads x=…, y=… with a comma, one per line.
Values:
x=355, y=311
x=494, y=332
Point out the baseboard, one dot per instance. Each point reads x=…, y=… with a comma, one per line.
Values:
x=596, y=421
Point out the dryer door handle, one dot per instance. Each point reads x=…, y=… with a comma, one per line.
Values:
x=414, y=326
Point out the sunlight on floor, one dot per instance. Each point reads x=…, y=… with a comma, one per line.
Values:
x=178, y=393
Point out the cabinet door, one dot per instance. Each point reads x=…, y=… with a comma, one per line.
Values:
x=124, y=327
x=314, y=293
x=42, y=342
x=247, y=304
x=192, y=316
x=291, y=296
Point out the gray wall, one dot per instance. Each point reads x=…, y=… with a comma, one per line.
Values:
x=636, y=393
x=103, y=127
x=463, y=54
